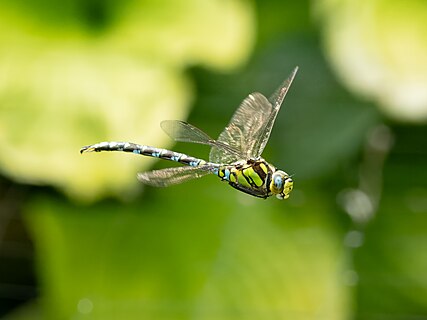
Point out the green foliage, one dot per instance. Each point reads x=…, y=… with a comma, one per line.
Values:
x=349, y=243
x=169, y=256
x=378, y=48
x=63, y=86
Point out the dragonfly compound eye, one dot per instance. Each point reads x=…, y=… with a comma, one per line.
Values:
x=281, y=184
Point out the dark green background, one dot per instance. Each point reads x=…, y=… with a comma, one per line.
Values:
x=202, y=250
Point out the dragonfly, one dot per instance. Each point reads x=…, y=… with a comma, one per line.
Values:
x=235, y=157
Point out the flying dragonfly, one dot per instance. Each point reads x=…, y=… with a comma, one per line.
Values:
x=235, y=156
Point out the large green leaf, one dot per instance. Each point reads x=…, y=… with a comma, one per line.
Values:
x=64, y=85
x=194, y=251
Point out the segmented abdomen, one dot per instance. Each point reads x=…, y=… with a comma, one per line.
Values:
x=145, y=151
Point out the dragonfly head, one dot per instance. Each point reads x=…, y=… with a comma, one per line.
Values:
x=281, y=184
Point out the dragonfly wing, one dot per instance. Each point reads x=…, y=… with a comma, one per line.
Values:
x=276, y=100
x=170, y=176
x=242, y=130
x=185, y=132
x=251, y=125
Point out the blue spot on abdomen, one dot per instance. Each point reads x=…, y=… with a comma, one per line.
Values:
x=227, y=174
x=194, y=163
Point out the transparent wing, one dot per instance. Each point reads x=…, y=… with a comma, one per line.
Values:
x=171, y=176
x=242, y=130
x=251, y=125
x=276, y=100
x=185, y=132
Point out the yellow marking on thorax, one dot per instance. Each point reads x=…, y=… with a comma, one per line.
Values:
x=241, y=180
x=251, y=174
x=263, y=167
x=233, y=173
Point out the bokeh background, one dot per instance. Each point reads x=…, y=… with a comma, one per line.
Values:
x=80, y=238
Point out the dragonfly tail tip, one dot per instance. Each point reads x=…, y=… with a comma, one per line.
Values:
x=86, y=149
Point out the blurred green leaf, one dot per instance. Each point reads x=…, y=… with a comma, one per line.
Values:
x=379, y=50
x=190, y=252
x=203, y=250
x=62, y=86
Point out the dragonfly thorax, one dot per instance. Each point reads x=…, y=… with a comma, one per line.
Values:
x=281, y=184
x=256, y=177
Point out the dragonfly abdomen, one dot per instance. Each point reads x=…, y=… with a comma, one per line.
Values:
x=145, y=151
